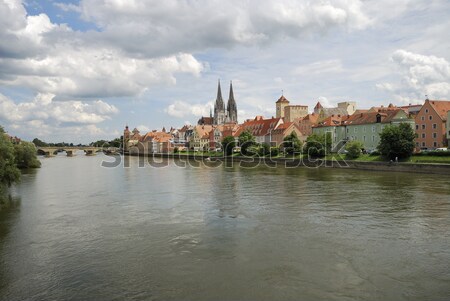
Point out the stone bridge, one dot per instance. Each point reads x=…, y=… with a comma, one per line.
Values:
x=51, y=151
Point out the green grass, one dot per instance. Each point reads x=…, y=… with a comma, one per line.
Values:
x=429, y=159
x=412, y=159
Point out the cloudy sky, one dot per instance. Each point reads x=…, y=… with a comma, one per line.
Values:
x=79, y=70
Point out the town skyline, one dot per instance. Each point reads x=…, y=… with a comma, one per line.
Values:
x=88, y=70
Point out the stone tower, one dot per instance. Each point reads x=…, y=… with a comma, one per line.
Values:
x=220, y=113
x=231, y=106
x=280, y=104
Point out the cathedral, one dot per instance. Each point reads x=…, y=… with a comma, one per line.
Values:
x=222, y=114
x=225, y=115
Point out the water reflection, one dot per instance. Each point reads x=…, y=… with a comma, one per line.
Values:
x=82, y=231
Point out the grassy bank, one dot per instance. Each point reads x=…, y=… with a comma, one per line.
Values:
x=412, y=159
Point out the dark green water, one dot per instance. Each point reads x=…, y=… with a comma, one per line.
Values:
x=78, y=231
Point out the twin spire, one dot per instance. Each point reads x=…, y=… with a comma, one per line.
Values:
x=222, y=115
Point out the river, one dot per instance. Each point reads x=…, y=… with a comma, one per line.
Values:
x=79, y=231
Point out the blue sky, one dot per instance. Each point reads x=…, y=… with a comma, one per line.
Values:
x=79, y=71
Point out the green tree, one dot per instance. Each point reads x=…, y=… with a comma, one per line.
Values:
x=39, y=143
x=116, y=142
x=246, y=140
x=354, y=149
x=318, y=145
x=264, y=149
x=25, y=155
x=9, y=173
x=228, y=144
x=397, y=141
x=292, y=144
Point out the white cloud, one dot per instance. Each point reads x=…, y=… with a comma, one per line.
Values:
x=182, y=109
x=420, y=75
x=44, y=108
x=319, y=67
x=143, y=128
x=68, y=7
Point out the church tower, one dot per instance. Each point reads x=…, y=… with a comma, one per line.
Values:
x=231, y=106
x=126, y=138
x=219, y=108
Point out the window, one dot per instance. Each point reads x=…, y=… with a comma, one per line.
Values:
x=434, y=126
x=373, y=129
x=423, y=126
x=356, y=130
x=364, y=129
x=364, y=138
x=435, y=144
x=430, y=117
x=434, y=135
x=423, y=135
x=423, y=118
x=423, y=144
x=373, y=138
x=426, y=110
x=417, y=127
x=347, y=130
x=417, y=144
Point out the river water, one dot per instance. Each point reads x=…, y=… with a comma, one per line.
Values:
x=79, y=231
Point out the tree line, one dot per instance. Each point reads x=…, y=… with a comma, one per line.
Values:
x=13, y=157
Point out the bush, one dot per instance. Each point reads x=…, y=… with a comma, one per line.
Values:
x=433, y=153
x=264, y=149
x=274, y=151
x=375, y=153
x=318, y=145
x=354, y=149
x=175, y=149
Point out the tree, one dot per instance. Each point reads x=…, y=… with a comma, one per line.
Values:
x=292, y=144
x=397, y=141
x=264, y=149
x=9, y=173
x=354, y=149
x=318, y=145
x=25, y=155
x=39, y=143
x=228, y=144
x=246, y=140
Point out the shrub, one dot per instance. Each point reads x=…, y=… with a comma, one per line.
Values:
x=354, y=149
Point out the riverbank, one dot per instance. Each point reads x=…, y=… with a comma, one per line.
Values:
x=415, y=167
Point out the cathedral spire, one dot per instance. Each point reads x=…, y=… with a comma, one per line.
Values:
x=231, y=106
x=219, y=99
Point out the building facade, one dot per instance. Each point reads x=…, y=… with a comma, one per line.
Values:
x=364, y=127
x=431, y=124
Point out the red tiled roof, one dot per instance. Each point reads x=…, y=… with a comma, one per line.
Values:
x=371, y=117
x=333, y=120
x=441, y=107
x=259, y=126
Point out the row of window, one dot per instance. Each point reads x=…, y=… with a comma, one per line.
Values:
x=424, y=126
x=435, y=144
x=424, y=135
x=355, y=130
x=430, y=117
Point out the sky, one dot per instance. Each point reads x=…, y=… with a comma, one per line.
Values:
x=79, y=71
